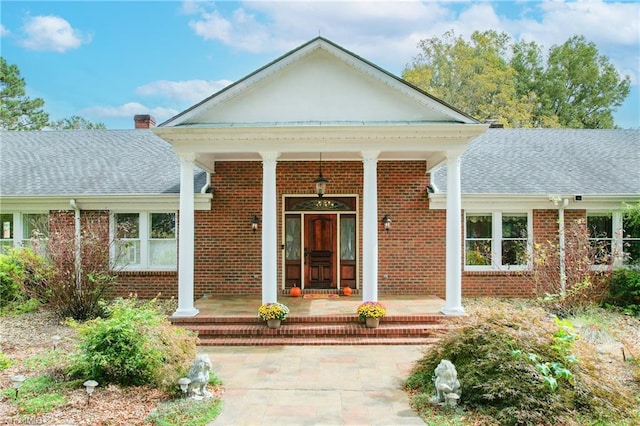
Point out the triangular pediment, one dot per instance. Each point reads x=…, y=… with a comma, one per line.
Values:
x=323, y=83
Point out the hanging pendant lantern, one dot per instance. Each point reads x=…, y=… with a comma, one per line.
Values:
x=320, y=181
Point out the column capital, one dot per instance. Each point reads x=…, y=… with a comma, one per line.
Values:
x=269, y=157
x=368, y=156
x=453, y=155
x=187, y=157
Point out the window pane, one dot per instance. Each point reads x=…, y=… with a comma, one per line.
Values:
x=128, y=253
x=163, y=225
x=600, y=226
x=162, y=253
x=478, y=252
x=478, y=226
x=632, y=252
x=348, y=238
x=514, y=252
x=292, y=238
x=35, y=225
x=127, y=225
x=630, y=229
x=5, y=246
x=7, y=226
x=514, y=226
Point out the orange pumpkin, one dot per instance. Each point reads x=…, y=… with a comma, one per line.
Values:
x=295, y=292
x=346, y=291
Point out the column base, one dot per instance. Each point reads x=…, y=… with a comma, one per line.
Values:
x=453, y=311
x=182, y=312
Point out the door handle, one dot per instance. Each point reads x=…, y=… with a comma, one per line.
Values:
x=306, y=252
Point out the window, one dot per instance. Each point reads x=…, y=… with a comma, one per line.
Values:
x=631, y=241
x=145, y=240
x=8, y=227
x=496, y=240
x=614, y=234
x=600, y=228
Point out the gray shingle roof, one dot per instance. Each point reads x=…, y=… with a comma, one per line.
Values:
x=502, y=161
x=83, y=162
x=550, y=161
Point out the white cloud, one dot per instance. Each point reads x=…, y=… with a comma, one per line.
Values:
x=190, y=91
x=4, y=31
x=387, y=32
x=51, y=33
x=128, y=110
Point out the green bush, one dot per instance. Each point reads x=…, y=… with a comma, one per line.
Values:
x=9, y=286
x=135, y=345
x=520, y=367
x=624, y=291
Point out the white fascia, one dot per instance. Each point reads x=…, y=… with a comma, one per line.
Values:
x=124, y=202
x=511, y=202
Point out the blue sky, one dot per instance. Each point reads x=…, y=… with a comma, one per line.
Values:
x=110, y=60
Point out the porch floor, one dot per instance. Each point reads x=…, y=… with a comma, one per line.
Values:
x=397, y=305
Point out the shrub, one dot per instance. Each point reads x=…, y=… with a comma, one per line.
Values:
x=624, y=291
x=583, y=285
x=9, y=286
x=30, y=272
x=79, y=283
x=520, y=367
x=135, y=345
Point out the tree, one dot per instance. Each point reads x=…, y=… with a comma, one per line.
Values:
x=473, y=76
x=581, y=87
x=17, y=111
x=75, y=122
x=489, y=77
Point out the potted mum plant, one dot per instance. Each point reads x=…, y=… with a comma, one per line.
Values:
x=273, y=313
x=371, y=312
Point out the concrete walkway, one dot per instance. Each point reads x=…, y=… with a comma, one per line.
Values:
x=314, y=385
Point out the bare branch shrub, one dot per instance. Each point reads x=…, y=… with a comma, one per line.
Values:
x=79, y=283
x=587, y=270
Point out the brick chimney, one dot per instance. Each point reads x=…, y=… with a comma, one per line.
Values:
x=144, y=121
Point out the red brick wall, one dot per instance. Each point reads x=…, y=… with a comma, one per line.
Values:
x=411, y=255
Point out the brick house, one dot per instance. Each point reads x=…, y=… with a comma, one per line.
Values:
x=321, y=170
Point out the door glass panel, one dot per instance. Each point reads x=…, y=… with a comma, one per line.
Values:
x=348, y=238
x=292, y=238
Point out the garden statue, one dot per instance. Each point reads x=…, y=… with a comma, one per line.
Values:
x=447, y=384
x=199, y=376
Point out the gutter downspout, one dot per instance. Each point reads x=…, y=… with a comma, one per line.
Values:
x=561, y=241
x=78, y=246
x=207, y=184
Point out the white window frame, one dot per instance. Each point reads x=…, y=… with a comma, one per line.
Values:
x=496, y=241
x=18, y=239
x=144, y=224
x=617, y=237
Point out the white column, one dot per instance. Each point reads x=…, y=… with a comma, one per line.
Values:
x=269, y=227
x=453, y=298
x=186, y=307
x=370, y=227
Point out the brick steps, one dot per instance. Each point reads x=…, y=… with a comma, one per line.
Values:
x=315, y=330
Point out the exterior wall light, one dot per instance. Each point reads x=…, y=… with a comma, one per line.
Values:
x=254, y=223
x=386, y=221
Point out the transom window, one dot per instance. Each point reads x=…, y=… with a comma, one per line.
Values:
x=496, y=240
x=145, y=240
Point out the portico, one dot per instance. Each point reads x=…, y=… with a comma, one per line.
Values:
x=320, y=99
